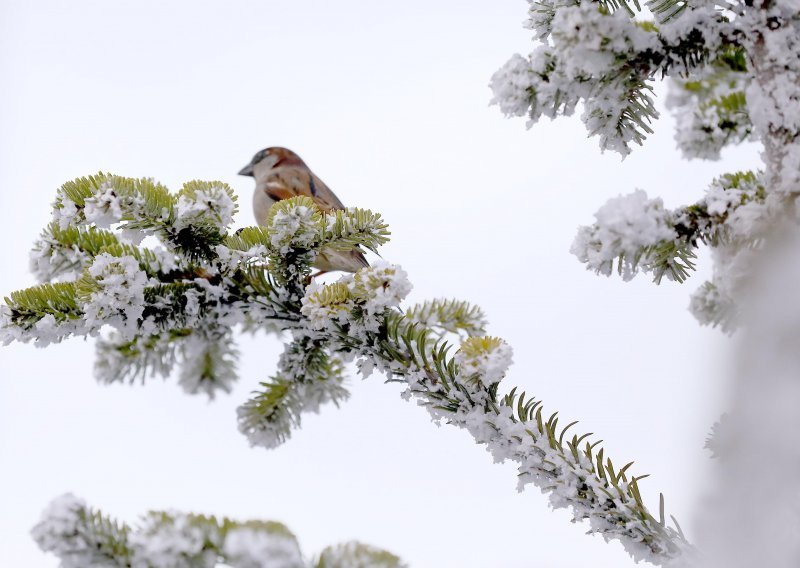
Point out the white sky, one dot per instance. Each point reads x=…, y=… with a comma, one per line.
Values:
x=388, y=104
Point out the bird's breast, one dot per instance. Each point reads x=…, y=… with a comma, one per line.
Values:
x=261, y=205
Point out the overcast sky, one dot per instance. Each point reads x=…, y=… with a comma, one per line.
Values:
x=388, y=103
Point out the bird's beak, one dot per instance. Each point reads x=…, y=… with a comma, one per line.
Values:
x=247, y=170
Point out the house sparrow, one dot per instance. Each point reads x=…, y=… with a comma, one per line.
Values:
x=281, y=174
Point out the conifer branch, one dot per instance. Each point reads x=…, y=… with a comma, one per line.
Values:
x=258, y=277
x=595, y=54
x=351, y=228
x=711, y=107
x=82, y=537
x=309, y=376
x=450, y=316
x=638, y=234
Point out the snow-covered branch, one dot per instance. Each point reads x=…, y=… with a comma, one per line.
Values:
x=181, y=308
x=596, y=54
x=82, y=537
x=734, y=68
x=634, y=233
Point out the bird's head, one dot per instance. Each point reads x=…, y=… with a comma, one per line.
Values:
x=269, y=158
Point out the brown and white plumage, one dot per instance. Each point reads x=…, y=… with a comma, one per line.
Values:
x=281, y=174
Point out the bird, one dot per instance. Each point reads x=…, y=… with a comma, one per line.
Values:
x=281, y=174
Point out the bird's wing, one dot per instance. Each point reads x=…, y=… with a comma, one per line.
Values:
x=285, y=183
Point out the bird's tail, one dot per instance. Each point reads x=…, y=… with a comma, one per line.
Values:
x=358, y=258
x=349, y=261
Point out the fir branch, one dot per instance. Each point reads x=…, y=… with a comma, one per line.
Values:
x=82, y=537
x=145, y=203
x=94, y=241
x=711, y=306
x=209, y=363
x=511, y=427
x=665, y=10
x=294, y=227
x=592, y=53
x=248, y=238
x=90, y=240
x=711, y=107
x=452, y=316
x=62, y=251
x=203, y=212
x=192, y=222
x=355, y=554
x=308, y=377
x=197, y=190
x=186, y=315
x=81, y=189
x=577, y=477
x=635, y=233
x=165, y=304
x=196, y=242
x=353, y=228
x=127, y=360
x=154, y=204
x=149, y=261
x=674, y=258
x=28, y=306
x=256, y=287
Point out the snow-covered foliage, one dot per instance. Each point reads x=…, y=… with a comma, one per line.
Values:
x=734, y=75
x=179, y=306
x=82, y=537
x=638, y=234
x=628, y=230
x=112, y=293
x=357, y=555
x=586, y=46
x=485, y=358
x=595, y=54
x=710, y=106
x=734, y=69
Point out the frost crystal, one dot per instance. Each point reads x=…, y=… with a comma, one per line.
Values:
x=626, y=226
x=484, y=358
x=740, y=201
x=326, y=305
x=591, y=43
x=103, y=208
x=372, y=290
x=381, y=286
x=49, y=260
x=212, y=204
x=512, y=85
x=297, y=226
x=65, y=212
x=116, y=293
